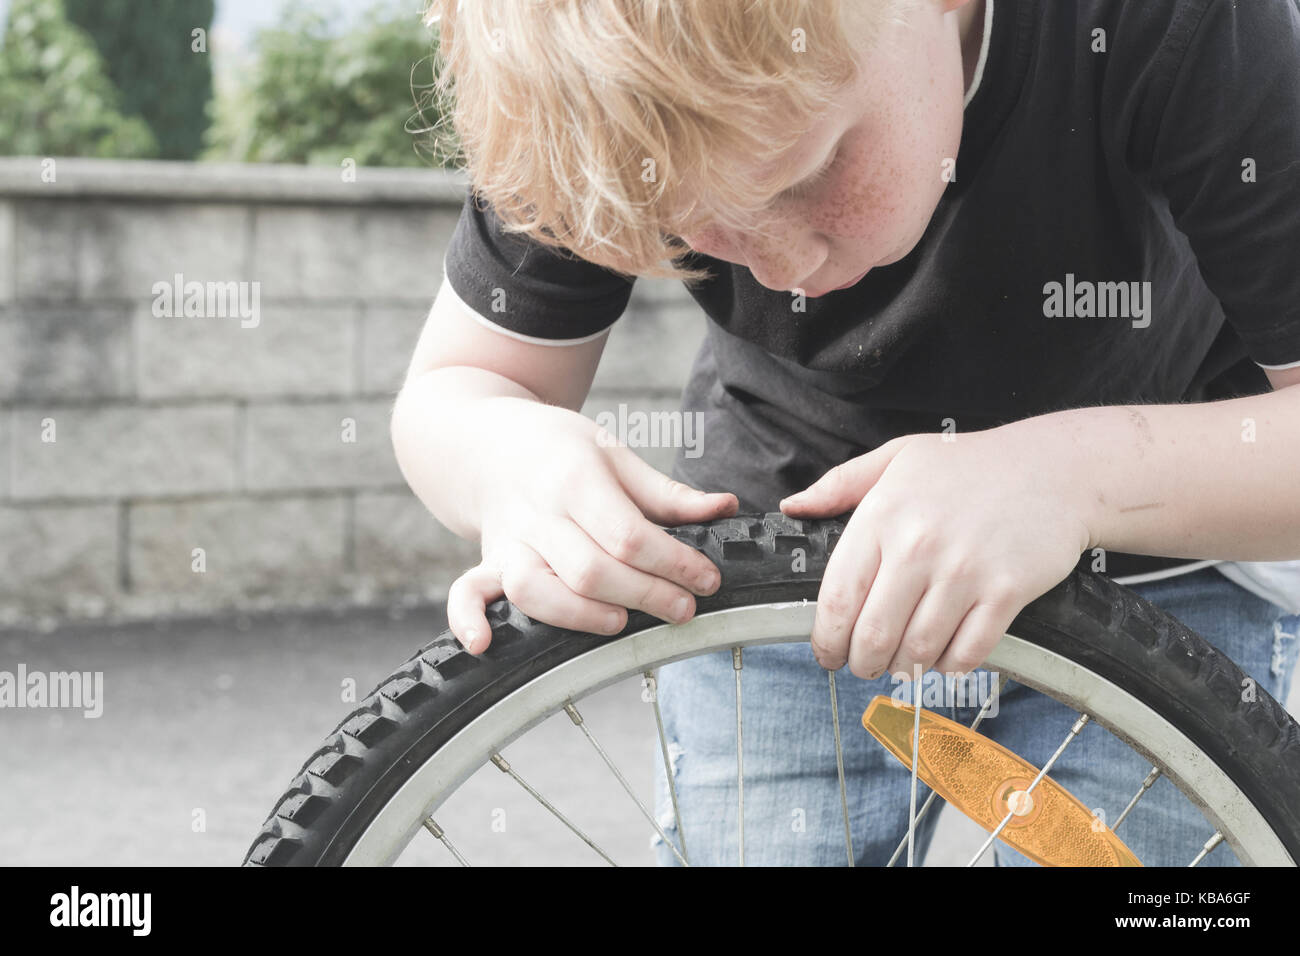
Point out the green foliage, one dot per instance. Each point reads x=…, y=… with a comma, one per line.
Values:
x=56, y=98
x=315, y=95
x=149, y=51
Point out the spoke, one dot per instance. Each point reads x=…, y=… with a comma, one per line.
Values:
x=1069, y=738
x=737, y=663
x=925, y=807
x=504, y=767
x=668, y=763
x=1152, y=777
x=839, y=765
x=916, y=745
x=438, y=832
x=1206, y=850
x=613, y=768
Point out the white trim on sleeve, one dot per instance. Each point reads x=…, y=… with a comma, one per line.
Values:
x=984, y=54
x=510, y=333
x=1278, y=368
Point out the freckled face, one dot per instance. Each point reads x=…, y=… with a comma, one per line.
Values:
x=894, y=126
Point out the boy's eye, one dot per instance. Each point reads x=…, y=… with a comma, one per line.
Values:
x=810, y=185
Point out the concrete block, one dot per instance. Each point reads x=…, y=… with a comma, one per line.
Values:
x=309, y=252
x=652, y=347
x=388, y=337
x=247, y=548
x=399, y=545
x=127, y=247
x=6, y=457
x=61, y=559
x=292, y=350
x=47, y=238
x=403, y=251
x=64, y=352
x=121, y=451
x=343, y=444
x=7, y=252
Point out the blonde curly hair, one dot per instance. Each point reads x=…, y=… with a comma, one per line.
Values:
x=608, y=127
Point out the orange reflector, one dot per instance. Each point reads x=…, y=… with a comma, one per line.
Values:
x=986, y=781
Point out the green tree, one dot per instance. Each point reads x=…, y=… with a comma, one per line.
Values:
x=315, y=95
x=150, y=51
x=56, y=98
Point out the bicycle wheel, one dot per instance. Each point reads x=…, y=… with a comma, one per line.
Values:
x=388, y=766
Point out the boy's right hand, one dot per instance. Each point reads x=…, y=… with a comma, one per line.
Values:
x=569, y=531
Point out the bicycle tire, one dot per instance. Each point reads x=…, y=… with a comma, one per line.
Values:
x=1087, y=618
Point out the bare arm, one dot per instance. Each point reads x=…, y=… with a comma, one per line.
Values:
x=444, y=413
x=487, y=432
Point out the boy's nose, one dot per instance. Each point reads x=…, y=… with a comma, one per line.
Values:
x=778, y=267
x=773, y=262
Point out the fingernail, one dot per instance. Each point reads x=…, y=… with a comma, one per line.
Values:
x=680, y=609
x=471, y=638
x=706, y=582
x=614, y=623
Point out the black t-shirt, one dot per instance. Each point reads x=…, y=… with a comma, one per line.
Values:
x=1172, y=158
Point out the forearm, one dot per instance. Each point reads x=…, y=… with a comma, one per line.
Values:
x=443, y=426
x=1209, y=480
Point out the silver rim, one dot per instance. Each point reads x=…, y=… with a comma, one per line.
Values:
x=412, y=807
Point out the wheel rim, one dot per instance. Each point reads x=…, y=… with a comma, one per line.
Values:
x=1142, y=728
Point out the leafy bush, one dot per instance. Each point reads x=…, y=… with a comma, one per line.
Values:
x=56, y=98
x=315, y=95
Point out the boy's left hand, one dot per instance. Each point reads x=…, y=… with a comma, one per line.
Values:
x=950, y=537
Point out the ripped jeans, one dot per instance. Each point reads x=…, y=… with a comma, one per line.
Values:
x=793, y=813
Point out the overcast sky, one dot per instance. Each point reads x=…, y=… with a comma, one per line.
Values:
x=239, y=19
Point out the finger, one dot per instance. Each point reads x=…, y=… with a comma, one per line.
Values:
x=844, y=486
x=587, y=570
x=611, y=519
x=533, y=587
x=933, y=625
x=467, y=598
x=845, y=584
x=890, y=604
x=977, y=635
x=663, y=500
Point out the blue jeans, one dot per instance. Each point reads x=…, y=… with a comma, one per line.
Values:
x=793, y=814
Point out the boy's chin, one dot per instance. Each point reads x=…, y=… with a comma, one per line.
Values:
x=904, y=249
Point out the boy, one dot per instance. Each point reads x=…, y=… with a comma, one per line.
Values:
x=1013, y=282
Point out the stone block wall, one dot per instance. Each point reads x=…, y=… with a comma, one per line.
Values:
x=159, y=465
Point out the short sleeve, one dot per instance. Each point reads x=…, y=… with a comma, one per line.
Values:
x=526, y=289
x=1223, y=147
